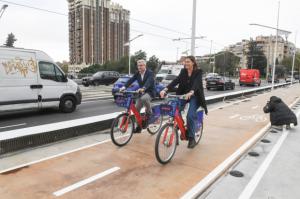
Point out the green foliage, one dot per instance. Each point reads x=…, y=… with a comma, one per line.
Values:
x=153, y=63
x=10, y=40
x=226, y=63
x=256, y=59
x=121, y=65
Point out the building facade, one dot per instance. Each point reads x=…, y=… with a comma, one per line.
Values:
x=98, y=30
x=267, y=44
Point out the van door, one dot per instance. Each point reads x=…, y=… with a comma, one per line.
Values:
x=53, y=84
x=18, y=80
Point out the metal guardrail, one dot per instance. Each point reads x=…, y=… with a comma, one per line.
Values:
x=15, y=140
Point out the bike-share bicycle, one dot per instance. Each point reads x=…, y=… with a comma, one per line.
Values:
x=168, y=136
x=124, y=124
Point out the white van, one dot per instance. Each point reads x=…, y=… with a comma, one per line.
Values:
x=168, y=70
x=29, y=79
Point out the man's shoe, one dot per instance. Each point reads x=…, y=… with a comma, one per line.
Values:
x=192, y=143
x=137, y=130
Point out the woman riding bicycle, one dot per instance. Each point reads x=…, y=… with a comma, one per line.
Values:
x=190, y=85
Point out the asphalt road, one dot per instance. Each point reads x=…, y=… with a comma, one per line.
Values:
x=95, y=107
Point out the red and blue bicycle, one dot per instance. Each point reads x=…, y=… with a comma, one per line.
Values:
x=124, y=124
x=168, y=136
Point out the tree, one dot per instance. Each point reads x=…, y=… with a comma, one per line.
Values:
x=10, y=40
x=226, y=63
x=153, y=63
x=256, y=58
x=288, y=63
x=121, y=65
x=64, y=66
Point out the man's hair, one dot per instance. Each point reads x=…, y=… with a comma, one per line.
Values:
x=141, y=61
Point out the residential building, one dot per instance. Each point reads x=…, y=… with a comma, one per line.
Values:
x=98, y=31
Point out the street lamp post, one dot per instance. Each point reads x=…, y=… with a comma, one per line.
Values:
x=194, y=28
x=128, y=44
x=294, y=56
x=3, y=9
x=276, y=44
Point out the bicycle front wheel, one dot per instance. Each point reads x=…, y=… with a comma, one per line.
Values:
x=166, y=143
x=198, y=133
x=122, y=129
x=154, y=127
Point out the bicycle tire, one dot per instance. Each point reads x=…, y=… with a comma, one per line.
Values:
x=159, y=142
x=153, y=132
x=116, y=139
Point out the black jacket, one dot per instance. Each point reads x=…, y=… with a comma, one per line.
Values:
x=197, y=86
x=280, y=113
x=148, y=82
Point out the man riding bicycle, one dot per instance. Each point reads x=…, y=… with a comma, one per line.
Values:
x=145, y=79
x=190, y=84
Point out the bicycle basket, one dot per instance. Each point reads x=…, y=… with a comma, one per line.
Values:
x=123, y=101
x=155, y=114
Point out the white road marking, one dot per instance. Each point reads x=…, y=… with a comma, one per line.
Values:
x=5, y=127
x=54, y=156
x=251, y=186
x=254, y=107
x=202, y=185
x=86, y=181
x=234, y=116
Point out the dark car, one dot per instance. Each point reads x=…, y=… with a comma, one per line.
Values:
x=218, y=82
x=167, y=80
x=133, y=87
x=86, y=80
x=102, y=78
x=276, y=80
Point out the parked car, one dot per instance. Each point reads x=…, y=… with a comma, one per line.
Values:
x=134, y=86
x=249, y=77
x=167, y=80
x=222, y=83
x=289, y=79
x=276, y=80
x=209, y=75
x=30, y=79
x=86, y=80
x=101, y=78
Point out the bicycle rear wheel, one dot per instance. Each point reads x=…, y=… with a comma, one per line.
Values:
x=198, y=133
x=154, y=127
x=166, y=143
x=122, y=129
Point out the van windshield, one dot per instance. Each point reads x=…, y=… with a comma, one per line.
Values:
x=163, y=71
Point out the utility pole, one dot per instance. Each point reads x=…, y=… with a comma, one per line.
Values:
x=193, y=27
x=294, y=57
x=276, y=46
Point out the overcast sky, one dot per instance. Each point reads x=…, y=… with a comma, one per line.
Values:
x=224, y=22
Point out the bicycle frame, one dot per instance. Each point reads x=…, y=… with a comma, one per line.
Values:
x=177, y=121
x=131, y=111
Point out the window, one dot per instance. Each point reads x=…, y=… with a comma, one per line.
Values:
x=50, y=72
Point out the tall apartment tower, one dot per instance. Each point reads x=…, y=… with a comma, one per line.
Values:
x=98, y=30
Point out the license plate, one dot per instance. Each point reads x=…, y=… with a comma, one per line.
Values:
x=212, y=83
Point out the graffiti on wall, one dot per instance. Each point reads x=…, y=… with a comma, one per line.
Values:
x=20, y=66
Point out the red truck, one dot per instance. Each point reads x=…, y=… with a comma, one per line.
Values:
x=250, y=77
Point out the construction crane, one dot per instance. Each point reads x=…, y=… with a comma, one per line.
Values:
x=3, y=9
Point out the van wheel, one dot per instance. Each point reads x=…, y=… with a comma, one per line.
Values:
x=67, y=104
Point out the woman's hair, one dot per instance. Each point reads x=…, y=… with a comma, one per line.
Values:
x=193, y=59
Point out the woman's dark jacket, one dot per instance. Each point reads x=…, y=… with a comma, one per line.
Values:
x=280, y=113
x=196, y=85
